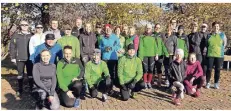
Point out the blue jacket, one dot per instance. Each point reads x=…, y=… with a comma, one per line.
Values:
x=56, y=51
x=114, y=43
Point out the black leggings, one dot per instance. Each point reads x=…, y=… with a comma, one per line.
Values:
x=76, y=87
x=102, y=87
x=204, y=64
x=148, y=64
x=166, y=62
x=125, y=93
x=199, y=57
x=217, y=62
x=112, y=67
x=158, y=65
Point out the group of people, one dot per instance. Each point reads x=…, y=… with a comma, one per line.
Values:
x=71, y=62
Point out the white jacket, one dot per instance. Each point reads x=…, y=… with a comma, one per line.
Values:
x=35, y=41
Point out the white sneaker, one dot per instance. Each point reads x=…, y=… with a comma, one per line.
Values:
x=104, y=97
x=216, y=85
x=207, y=86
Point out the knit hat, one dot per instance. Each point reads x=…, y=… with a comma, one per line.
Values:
x=180, y=52
x=38, y=25
x=107, y=25
x=97, y=51
x=149, y=26
x=181, y=27
x=130, y=46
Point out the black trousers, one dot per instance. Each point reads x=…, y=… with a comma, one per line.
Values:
x=211, y=62
x=125, y=93
x=166, y=62
x=148, y=64
x=112, y=67
x=101, y=87
x=158, y=65
x=199, y=57
x=204, y=64
x=76, y=87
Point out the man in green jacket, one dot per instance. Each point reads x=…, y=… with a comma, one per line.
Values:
x=70, y=40
x=97, y=76
x=130, y=74
x=70, y=72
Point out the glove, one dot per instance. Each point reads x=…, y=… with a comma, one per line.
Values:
x=84, y=59
x=13, y=60
x=132, y=85
x=124, y=87
x=108, y=80
x=107, y=49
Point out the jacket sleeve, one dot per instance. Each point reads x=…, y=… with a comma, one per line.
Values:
x=139, y=72
x=77, y=48
x=136, y=42
x=54, y=82
x=174, y=38
x=200, y=70
x=141, y=49
x=88, y=75
x=117, y=44
x=36, y=57
x=105, y=70
x=60, y=77
x=13, y=47
x=60, y=53
x=225, y=40
x=31, y=47
x=164, y=49
x=121, y=70
x=81, y=75
x=101, y=45
x=81, y=45
x=36, y=77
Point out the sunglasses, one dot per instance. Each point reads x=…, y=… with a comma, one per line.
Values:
x=68, y=29
x=39, y=27
x=24, y=25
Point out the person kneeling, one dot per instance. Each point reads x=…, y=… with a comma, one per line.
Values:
x=193, y=82
x=44, y=75
x=130, y=74
x=177, y=74
x=97, y=76
x=69, y=73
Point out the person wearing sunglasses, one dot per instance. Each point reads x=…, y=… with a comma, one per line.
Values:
x=37, y=39
x=70, y=40
x=19, y=46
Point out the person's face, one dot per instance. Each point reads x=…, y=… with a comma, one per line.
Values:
x=131, y=52
x=108, y=30
x=78, y=23
x=192, y=59
x=50, y=42
x=173, y=24
x=179, y=57
x=181, y=31
x=45, y=56
x=117, y=31
x=194, y=28
x=157, y=28
x=99, y=30
x=24, y=25
x=54, y=25
x=68, y=31
x=148, y=30
x=68, y=54
x=39, y=29
x=216, y=28
x=203, y=29
x=125, y=30
x=88, y=27
x=132, y=31
x=96, y=57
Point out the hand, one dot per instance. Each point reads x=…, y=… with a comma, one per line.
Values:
x=13, y=60
x=84, y=59
x=50, y=98
x=70, y=95
x=156, y=57
x=191, y=80
x=74, y=79
x=108, y=80
x=124, y=87
x=107, y=49
x=122, y=51
x=174, y=57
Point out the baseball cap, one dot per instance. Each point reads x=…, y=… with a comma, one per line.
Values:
x=50, y=37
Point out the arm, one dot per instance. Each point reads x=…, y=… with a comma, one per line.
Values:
x=105, y=70
x=136, y=42
x=225, y=40
x=77, y=49
x=139, y=72
x=164, y=49
x=101, y=45
x=54, y=82
x=60, y=53
x=60, y=77
x=13, y=47
x=199, y=72
x=121, y=70
x=31, y=46
x=81, y=45
x=117, y=45
x=88, y=74
x=81, y=69
x=36, y=77
x=36, y=57
x=141, y=50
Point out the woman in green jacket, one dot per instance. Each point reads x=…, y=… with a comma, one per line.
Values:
x=97, y=76
x=130, y=74
x=117, y=30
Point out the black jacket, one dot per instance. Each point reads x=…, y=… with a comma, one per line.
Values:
x=19, y=46
x=87, y=43
x=77, y=32
x=177, y=71
x=204, y=40
x=170, y=43
x=194, y=43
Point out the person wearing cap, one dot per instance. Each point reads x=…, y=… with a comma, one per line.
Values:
x=109, y=46
x=182, y=41
x=70, y=40
x=195, y=41
x=147, y=53
x=170, y=41
x=130, y=72
x=70, y=72
x=97, y=76
x=161, y=53
x=54, y=48
x=176, y=76
x=44, y=75
x=19, y=54
x=132, y=38
x=203, y=46
x=216, y=44
x=122, y=41
x=78, y=29
x=54, y=30
x=37, y=39
x=99, y=34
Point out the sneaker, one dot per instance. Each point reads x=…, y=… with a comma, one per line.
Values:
x=133, y=95
x=149, y=85
x=182, y=95
x=167, y=83
x=82, y=97
x=207, y=86
x=77, y=103
x=176, y=101
x=145, y=85
x=104, y=97
x=216, y=85
x=173, y=96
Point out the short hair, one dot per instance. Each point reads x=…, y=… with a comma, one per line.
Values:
x=174, y=18
x=214, y=23
x=190, y=54
x=157, y=24
x=67, y=47
x=117, y=28
x=44, y=50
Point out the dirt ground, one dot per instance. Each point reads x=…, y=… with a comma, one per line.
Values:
x=151, y=99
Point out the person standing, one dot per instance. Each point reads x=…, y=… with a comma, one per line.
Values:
x=132, y=38
x=78, y=29
x=19, y=53
x=217, y=42
x=122, y=41
x=99, y=34
x=54, y=30
x=182, y=41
